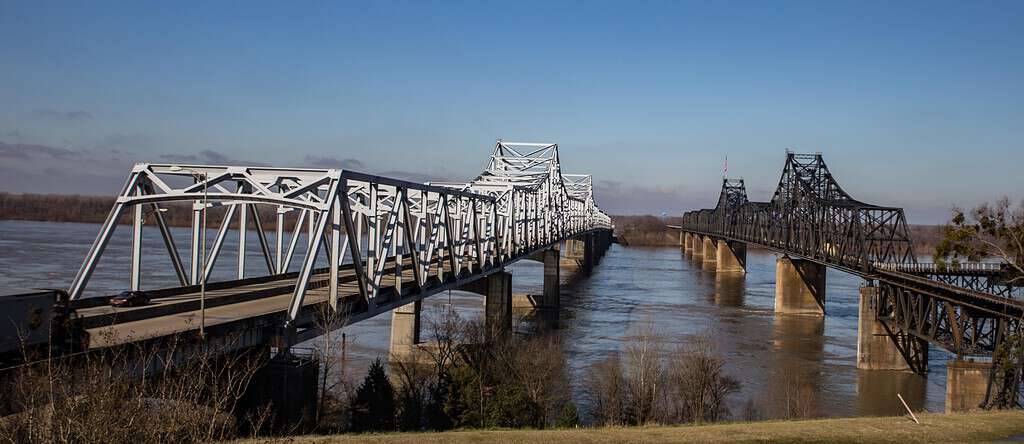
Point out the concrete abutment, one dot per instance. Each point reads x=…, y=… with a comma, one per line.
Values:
x=966, y=384
x=876, y=350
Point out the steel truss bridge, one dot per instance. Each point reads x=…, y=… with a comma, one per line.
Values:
x=966, y=309
x=357, y=243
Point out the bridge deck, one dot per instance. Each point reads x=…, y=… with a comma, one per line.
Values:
x=263, y=303
x=181, y=313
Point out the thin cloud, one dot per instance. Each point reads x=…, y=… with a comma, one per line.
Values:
x=209, y=157
x=125, y=140
x=333, y=162
x=27, y=151
x=70, y=115
x=412, y=176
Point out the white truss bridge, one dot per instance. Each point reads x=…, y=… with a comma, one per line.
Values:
x=361, y=243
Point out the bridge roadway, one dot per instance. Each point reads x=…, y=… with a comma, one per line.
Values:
x=968, y=310
x=255, y=308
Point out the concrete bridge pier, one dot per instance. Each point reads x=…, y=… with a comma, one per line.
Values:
x=875, y=348
x=731, y=257
x=588, y=250
x=799, y=286
x=405, y=329
x=697, y=247
x=552, y=274
x=966, y=384
x=688, y=242
x=709, y=253
x=496, y=289
x=590, y=254
x=498, y=304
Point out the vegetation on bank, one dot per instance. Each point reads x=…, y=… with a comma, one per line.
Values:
x=466, y=378
x=934, y=427
x=129, y=394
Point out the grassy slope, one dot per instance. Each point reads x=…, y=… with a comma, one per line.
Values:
x=971, y=427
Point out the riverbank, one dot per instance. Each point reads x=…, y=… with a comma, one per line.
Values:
x=934, y=427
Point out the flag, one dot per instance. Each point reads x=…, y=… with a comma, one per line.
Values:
x=725, y=167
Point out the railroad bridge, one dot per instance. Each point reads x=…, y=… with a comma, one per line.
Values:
x=967, y=309
x=330, y=241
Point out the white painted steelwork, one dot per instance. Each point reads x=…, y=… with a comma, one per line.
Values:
x=521, y=203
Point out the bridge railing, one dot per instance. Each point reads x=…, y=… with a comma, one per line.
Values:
x=932, y=268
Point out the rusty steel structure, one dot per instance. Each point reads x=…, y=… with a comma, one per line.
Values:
x=967, y=309
x=809, y=216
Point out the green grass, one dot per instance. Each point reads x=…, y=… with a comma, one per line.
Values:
x=966, y=427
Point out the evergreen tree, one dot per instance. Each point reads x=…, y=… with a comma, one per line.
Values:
x=569, y=417
x=373, y=408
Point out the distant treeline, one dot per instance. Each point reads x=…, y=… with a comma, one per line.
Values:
x=646, y=230
x=654, y=231
x=94, y=209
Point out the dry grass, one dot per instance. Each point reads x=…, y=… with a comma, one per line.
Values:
x=968, y=427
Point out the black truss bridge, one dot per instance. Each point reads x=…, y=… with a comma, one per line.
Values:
x=966, y=309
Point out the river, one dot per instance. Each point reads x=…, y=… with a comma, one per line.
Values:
x=780, y=360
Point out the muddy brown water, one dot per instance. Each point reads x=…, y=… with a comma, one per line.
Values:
x=785, y=363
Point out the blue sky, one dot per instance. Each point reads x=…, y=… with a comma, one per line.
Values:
x=917, y=104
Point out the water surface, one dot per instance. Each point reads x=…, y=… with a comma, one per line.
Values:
x=784, y=362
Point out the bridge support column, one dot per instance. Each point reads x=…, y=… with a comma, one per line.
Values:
x=709, y=252
x=966, y=384
x=799, y=287
x=405, y=329
x=875, y=349
x=731, y=257
x=552, y=290
x=697, y=242
x=590, y=253
x=498, y=304
x=687, y=242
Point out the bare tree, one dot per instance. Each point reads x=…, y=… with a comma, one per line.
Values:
x=330, y=353
x=796, y=398
x=607, y=391
x=644, y=373
x=698, y=383
x=172, y=392
x=538, y=366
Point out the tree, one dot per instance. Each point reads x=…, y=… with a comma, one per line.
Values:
x=993, y=230
x=607, y=391
x=569, y=417
x=373, y=408
x=699, y=384
x=330, y=352
x=990, y=230
x=645, y=373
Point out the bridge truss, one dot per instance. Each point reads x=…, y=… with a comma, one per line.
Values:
x=966, y=309
x=810, y=216
x=346, y=221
